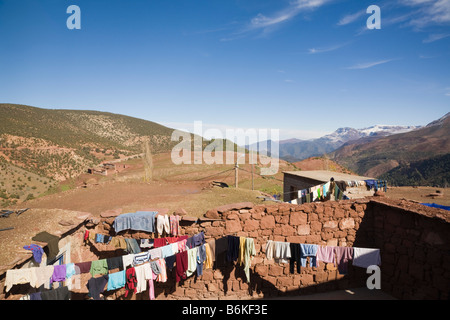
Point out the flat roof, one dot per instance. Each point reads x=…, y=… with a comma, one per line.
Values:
x=324, y=175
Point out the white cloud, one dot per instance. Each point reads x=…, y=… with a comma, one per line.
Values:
x=436, y=37
x=367, y=65
x=350, y=18
x=266, y=22
x=326, y=49
x=432, y=12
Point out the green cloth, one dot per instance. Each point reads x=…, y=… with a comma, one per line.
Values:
x=52, y=248
x=250, y=251
x=99, y=267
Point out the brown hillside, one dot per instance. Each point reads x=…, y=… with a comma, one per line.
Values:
x=320, y=163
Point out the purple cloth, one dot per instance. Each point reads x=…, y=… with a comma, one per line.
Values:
x=59, y=273
x=37, y=252
x=343, y=255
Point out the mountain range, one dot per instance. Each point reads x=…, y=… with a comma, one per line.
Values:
x=416, y=157
x=294, y=150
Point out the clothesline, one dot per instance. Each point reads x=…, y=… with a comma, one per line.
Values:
x=189, y=255
x=337, y=188
x=40, y=275
x=297, y=254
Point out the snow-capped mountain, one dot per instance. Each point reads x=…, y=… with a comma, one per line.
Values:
x=296, y=150
x=348, y=134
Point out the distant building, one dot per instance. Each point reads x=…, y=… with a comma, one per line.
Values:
x=295, y=181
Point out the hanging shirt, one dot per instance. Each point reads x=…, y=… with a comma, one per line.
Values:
x=325, y=254
x=209, y=257
x=233, y=248
x=192, y=261
x=343, y=255
x=282, y=252
x=96, y=286
x=201, y=257
x=181, y=265
x=44, y=275
x=140, y=258
x=116, y=280
x=127, y=260
x=162, y=276
x=308, y=250
x=295, y=257
x=59, y=273
x=143, y=273
x=131, y=281
x=70, y=270
x=175, y=225
x=99, y=267
x=20, y=276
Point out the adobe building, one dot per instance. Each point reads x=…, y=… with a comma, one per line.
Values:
x=294, y=181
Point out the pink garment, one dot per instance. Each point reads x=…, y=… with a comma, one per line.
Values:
x=343, y=255
x=175, y=225
x=182, y=245
x=151, y=289
x=325, y=254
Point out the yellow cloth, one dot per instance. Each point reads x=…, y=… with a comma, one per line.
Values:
x=208, y=264
x=241, y=250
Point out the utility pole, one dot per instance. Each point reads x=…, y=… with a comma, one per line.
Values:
x=236, y=168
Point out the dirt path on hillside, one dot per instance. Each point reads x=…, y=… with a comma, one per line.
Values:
x=126, y=195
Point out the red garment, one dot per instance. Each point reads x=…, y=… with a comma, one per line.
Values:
x=131, y=281
x=86, y=235
x=181, y=259
x=159, y=242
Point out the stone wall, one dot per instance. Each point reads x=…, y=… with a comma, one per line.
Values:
x=413, y=240
x=328, y=223
x=414, y=243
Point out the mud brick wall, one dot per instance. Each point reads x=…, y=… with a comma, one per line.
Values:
x=328, y=223
x=413, y=240
x=414, y=243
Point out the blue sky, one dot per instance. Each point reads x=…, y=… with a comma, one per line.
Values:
x=306, y=67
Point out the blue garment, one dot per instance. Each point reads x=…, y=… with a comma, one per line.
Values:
x=371, y=184
x=37, y=252
x=70, y=270
x=166, y=251
x=139, y=220
x=116, y=280
x=434, y=205
x=199, y=239
x=308, y=250
x=99, y=238
x=201, y=257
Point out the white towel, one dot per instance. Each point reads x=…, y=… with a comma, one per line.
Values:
x=365, y=257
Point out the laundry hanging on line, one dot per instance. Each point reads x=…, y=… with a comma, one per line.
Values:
x=298, y=254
